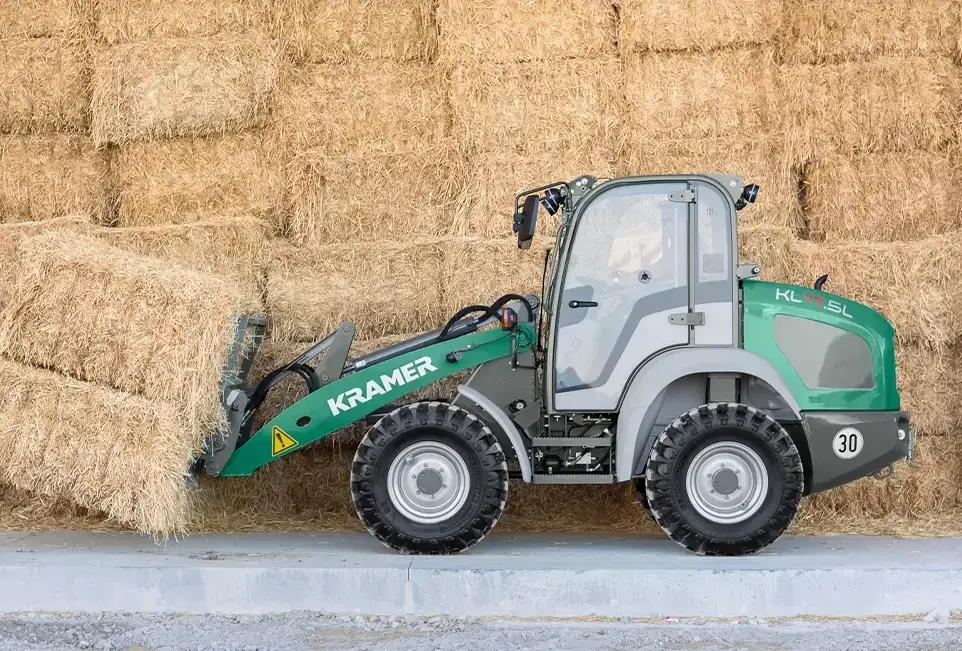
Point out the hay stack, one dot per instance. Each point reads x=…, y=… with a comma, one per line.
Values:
x=231, y=248
x=887, y=104
x=773, y=249
x=43, y=177
x=182, y=87
x=930, y=385
x=371, y=195
x=479, y=271
x=695, y=25
x=143, y=326
x=485, y=204
x=510, y=31
x=44, y=85
x=916, y=285
x=383, y=287
x=326, y=31
x=682, y=97
x=44, y=18
x=760, y=161
x=532, y=108
x=189, y=179
x=99, y=448
x=128, y=21
x=829, y=31
x=883, y=197
x=370, y=106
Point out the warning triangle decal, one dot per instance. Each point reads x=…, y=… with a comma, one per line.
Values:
x=280, y=441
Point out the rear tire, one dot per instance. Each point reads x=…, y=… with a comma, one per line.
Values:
x=724, y=480
x=429, y=478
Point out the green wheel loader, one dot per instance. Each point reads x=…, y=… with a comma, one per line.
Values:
x=653, y=356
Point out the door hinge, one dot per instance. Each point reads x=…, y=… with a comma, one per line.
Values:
x=682, y=196
x=687, y=318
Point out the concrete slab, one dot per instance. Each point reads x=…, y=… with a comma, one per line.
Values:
x=506, y=576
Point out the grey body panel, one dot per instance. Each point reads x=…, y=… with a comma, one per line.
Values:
x=503, y=385
x=675, y=381
x=498, y=415
x=881, y=447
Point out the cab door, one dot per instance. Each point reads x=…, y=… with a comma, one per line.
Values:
x=624, y=287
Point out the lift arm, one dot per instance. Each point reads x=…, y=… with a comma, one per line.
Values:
x=354, y=396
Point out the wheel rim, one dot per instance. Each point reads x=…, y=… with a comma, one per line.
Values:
x=428, y=482
x=727, y=482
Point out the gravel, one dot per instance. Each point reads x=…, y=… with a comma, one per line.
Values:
x=303, y=632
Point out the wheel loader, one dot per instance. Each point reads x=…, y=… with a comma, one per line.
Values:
x=653, y=356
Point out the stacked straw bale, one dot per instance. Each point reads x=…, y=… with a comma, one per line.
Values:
x=44, y=18
x=44, y=177
x=338, y=31
x=383, y=287
x=883, y=197
x=44, y=85
x=695, y=25
x=91, y=311
x=129, y=21
x=511, y=31
x=192, y=179
x=168, y=87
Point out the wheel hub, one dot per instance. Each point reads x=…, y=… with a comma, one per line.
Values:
x=428, y=482
x=727, y=482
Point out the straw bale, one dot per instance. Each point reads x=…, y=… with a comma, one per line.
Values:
x=183, y=87
x=479, y=271
x=383, y=287
x=10, y=237
x=916, y=285
x=44, y=85
x=44, y=18
x=43, y=177
x=189, y=179
x=680, y=96
x=370, y=195
x=696, y=25
x=137, y=324
x=485, y=205
x=930, y=385
x=231, y=248
x=100, y=448
x=326, y=31
x=930, y=487
x=761, y=161
x=531, y=108
x=773, y=249
x=890, y=197
x=512, y=31
x=887, y=104
x=829, y=31
x=394, y=107
x=128, y=21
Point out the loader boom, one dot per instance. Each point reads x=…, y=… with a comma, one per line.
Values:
x=354, y=396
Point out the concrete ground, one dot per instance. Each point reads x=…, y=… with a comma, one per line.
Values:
x=302, y=632
x=534, y=576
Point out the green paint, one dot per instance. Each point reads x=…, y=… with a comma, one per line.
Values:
x=476, y=348
x=764, y=300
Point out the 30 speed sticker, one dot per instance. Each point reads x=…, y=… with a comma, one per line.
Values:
x=847, y=443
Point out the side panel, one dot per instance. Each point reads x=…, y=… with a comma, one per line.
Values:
x=765, y=302
x=643, y=399
x=354, y=396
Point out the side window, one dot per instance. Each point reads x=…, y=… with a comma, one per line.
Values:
x=825, y=357
x=714, y=239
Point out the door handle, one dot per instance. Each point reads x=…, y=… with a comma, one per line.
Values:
x=577, y=304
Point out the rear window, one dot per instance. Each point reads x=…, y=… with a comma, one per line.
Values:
x=825, y=357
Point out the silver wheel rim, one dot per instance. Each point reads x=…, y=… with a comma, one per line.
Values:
x=428, y=482
x=727, y=482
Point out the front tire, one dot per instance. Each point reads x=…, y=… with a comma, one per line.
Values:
x=724, y=480
x=429, y=478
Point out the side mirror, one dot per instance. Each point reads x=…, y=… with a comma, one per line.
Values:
x=525, y=221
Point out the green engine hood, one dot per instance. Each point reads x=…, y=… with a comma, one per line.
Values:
x=764, y=301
